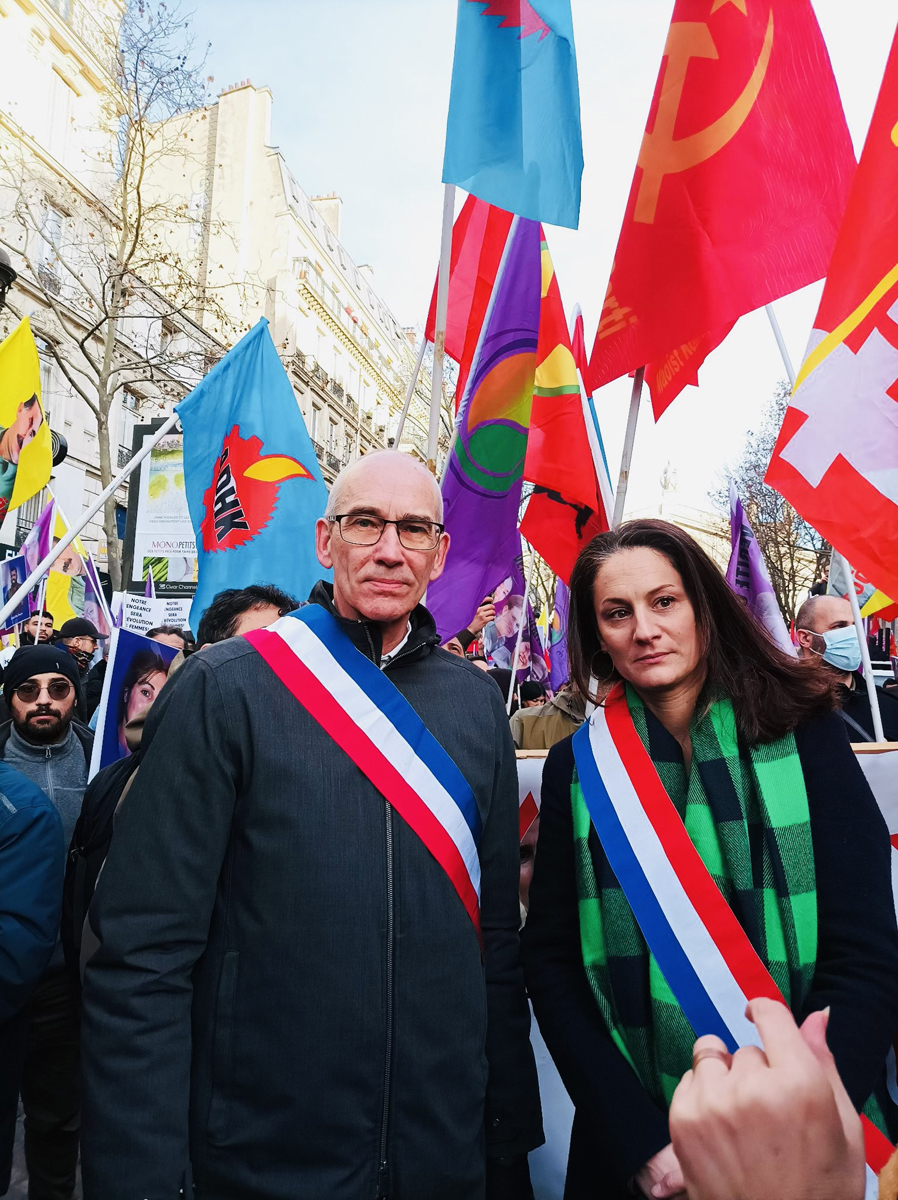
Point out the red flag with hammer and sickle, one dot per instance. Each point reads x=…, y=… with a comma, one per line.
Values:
x=740, y=186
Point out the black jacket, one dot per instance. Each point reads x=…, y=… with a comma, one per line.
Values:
x=856, y=704
x=618, y=1127
x=287, y=988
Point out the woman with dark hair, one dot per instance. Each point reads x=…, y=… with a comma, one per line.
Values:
x=730, y=753
x=141, y=685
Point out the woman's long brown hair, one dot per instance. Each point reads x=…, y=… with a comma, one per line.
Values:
x=770, y=691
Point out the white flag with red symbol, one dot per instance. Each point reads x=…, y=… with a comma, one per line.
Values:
x=836, y=458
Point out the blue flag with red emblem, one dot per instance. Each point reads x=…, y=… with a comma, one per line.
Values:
x=513, y=134
x=254, y=487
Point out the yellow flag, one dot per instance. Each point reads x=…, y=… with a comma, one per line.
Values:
x=66, y=580
x=877, y=602
x=26, y=456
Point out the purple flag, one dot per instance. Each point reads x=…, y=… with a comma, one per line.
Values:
x=748, y=578
x=559, y=670
x=482, y=479
x=40, y=537
x=500, y=637
x=149, y=590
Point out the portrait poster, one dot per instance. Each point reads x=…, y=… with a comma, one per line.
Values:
x=26, y=455
x=13, y=573
x=501, y=635
x=135, y=674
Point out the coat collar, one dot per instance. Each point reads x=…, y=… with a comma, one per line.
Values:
x=366, y=635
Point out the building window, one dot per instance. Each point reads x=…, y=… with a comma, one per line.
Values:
x=313, y=431
x=49, y=271
x=332, y=436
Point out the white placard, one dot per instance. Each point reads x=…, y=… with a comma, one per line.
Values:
x=140, y=613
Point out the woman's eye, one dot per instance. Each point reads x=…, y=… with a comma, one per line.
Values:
x=616, y=614
x=665, y=601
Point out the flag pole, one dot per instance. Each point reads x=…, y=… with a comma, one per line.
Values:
x=41, y=602
x=55, y=551
x=413, y=383
x=439, y=333
x=620, y=495
x=872, y=691
x=520, y=637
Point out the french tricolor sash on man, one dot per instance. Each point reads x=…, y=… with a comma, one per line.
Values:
x=368, y=717
x=704, y=953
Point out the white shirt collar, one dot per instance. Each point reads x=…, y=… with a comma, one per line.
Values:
x=388, y=658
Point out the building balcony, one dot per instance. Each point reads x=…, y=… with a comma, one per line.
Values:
x=336, y=389
x=89, y=31
x=124, y=456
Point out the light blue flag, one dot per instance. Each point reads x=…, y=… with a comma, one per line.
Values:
x=253, y=484
x=513, y=135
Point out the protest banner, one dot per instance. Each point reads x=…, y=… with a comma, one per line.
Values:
x=140, y=613
x=159, y=536
x=135, y=673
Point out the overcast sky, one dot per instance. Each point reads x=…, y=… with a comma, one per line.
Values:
x=361, y=91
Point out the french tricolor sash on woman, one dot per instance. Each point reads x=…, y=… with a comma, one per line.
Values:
x=369, y=718
x=704, y=953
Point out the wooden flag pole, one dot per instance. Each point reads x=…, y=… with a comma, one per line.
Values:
x=620, y=495
x=50, y=559
x=413, y=383
x=524, y=621
x=439, y=333
x=872, y=690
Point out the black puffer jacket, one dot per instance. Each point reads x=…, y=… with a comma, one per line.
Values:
x=288, y=990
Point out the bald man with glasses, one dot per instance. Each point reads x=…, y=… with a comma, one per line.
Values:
x=320, y=993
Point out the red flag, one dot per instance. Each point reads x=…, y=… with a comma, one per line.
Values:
x=565, y=509
x=836, y=458
x=578, y=345
x=738, y=193
x=478, y=238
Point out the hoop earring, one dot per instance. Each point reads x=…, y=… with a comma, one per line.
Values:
x=604, y=679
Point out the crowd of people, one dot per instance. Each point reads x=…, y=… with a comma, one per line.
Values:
x=287, y=948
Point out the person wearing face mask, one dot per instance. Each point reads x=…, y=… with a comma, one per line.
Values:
x=706, y=837
x=827, y=637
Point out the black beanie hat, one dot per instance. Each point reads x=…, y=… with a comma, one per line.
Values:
x=38, y=660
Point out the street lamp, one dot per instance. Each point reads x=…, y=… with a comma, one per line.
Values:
x=7, y=276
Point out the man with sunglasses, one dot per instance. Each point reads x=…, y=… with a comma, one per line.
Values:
x=291, y=999
x=46, y=743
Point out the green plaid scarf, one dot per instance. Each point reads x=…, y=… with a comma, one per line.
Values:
x=746, y=810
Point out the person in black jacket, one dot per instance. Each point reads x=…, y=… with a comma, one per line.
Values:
x=824, y=627
x=652, y=615
x=288, y=1000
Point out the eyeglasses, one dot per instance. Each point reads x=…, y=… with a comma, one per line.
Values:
x=82, y=642
x=363, y=529
x=56, y=689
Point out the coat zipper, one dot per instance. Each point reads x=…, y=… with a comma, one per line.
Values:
x=383, y=1173
x=383, y=1170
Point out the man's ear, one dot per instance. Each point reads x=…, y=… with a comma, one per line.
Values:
x=439, y=561
x=805, y=638
x=323, y=542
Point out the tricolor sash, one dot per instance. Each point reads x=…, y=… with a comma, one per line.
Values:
x=369, y=718
x=704, y=953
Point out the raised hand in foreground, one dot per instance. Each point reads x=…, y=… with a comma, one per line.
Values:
x=772, y=1122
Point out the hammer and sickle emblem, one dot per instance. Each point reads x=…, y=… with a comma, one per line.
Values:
x=661, y=153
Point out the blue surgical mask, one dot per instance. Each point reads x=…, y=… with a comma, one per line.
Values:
x=842, y=648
